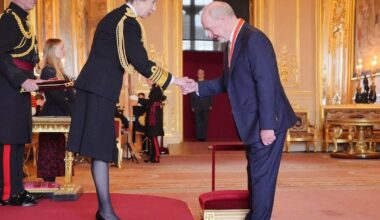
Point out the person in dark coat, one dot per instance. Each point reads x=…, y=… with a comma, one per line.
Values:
x=118, y=47
x=18, y=57
x=201, y=106
x=52, y=146
x=154, y=123
x=119, y=113
x=261, y=110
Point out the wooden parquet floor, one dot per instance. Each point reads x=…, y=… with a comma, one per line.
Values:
x=310, y=185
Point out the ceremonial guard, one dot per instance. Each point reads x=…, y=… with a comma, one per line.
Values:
x=154, y=122
x=18, y=57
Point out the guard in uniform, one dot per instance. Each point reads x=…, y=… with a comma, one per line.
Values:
x=154, y=125
x=118, y=47
x=18, y=57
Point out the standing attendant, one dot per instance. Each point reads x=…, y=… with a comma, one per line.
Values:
x=18, y=57
x=118, y=46
x=260, y=108
x=201, y=106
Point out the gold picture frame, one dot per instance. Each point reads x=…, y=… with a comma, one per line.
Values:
x=366, y=38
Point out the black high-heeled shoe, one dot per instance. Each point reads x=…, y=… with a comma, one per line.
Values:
x=98, y=216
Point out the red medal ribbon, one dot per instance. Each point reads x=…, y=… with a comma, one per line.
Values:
x=232, y=44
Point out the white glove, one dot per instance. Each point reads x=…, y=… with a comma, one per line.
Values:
x=133, y=97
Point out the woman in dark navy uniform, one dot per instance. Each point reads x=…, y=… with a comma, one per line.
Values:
x=118, y=47
x=18, y=57
x=52, y=146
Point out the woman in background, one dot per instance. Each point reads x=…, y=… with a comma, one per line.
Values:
x=51, y=151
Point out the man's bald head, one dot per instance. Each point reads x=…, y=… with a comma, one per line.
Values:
x=218, y=19
x=218, y=9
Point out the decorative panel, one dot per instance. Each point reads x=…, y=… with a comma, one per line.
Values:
x=290, y=25
x=336, y=36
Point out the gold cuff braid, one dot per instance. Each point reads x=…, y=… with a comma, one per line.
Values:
x=159, y=75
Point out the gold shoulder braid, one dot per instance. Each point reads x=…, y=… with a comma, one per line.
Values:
x=159, y=75
x=121, y=43
x=26, y=35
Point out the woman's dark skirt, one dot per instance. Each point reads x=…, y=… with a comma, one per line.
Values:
x=51, y=155
x=92, y=130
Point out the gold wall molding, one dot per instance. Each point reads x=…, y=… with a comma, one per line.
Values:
x=6, y=3
x=336, y=36
x=288, y=68
x=2, y=6
x=335, y=43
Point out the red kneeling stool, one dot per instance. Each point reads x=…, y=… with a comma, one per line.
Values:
x=224, y=204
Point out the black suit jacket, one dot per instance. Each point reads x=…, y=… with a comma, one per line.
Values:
x=103, y=74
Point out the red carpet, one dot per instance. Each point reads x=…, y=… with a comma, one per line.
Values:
x=128, y=207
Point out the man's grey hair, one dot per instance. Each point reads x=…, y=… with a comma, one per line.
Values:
x=219, y=8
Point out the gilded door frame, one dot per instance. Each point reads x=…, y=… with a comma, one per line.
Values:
x=324, y=34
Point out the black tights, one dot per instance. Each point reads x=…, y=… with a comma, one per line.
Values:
x=100, y=174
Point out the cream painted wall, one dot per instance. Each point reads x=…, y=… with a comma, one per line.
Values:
x=290, y=25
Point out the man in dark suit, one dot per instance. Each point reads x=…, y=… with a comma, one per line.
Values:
x=261, y=110
x=18, y=56
x=201, y=106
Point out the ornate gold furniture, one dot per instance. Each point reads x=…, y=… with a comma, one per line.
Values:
x=302, y=131
x=31, y=149
x=356, y=125
x=59, y=124
x=118, y=126
x=360, y=131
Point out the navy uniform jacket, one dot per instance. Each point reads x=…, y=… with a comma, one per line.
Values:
x=257, y=98
x=15, y=110
x=58, y=102
x=103, y=74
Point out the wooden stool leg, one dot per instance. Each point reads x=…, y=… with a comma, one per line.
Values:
x=35, y=156
x=138, y=144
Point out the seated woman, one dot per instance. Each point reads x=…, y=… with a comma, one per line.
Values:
x=51, y=151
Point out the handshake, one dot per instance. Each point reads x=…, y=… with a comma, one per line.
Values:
x=187, y=85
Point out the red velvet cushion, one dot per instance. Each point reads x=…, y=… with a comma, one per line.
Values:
x=225, y=199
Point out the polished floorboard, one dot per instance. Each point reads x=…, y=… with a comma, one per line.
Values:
x=310, y=186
